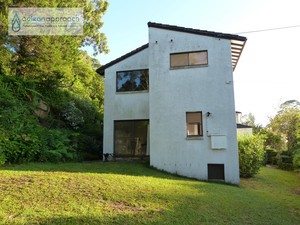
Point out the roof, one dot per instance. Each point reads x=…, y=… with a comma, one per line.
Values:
x=102, y=68
x=237, y=43
x=242, y=126
x=196, y=31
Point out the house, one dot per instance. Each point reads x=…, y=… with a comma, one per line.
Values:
x=172, y=99
x=242, y=129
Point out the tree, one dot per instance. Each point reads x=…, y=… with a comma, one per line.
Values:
x=249, y=120
x=51, y=59
x=286, y=125
x=273, y=144
x=290, y=104
x=56, y=71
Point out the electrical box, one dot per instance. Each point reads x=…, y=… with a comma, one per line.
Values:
x=218, y=141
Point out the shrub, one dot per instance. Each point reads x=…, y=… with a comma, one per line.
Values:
x=2, y=155
x=270, y=157
x=89, y=148
x=57, y=146
x=26, y=137
x=72, y=115
x=285, y=160
x=251, y=155
x=2, y=158
x=296, y=160
x=20, y=134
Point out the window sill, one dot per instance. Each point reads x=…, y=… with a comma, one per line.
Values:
x=194, y=138
x=131, y=92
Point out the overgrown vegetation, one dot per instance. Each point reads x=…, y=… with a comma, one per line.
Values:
x=131, y=193
x=281, y=137
x=51, y=99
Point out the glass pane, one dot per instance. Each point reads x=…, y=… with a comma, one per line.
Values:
x=131, y=137
x=179, y=60
x=137, y=80
x=194, y=123
x=198, y=58
x=123, y=145
x=140, y=80
x=193, y=129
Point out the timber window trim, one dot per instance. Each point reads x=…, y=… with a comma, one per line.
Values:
x=194, y=124
x=189, y=59
x=132, y=81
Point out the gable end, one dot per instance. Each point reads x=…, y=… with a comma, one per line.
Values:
x=101, y=70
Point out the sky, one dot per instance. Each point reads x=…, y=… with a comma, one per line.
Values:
x=268, y=72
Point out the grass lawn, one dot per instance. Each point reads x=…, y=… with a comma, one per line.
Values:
x=133, y=193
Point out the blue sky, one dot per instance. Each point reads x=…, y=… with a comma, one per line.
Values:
x=268, y=72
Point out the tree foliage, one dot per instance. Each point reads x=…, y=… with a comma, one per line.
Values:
x=287, y=124
x=51, y=59
x=282, y=136
x=248, y=119
x=51, y=99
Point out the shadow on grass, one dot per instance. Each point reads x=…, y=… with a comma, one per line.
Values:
x=121, y=168
x=90, y=220
x=175, y=203
x=129, y=168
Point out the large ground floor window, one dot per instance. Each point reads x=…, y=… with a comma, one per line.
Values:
x=130, y=137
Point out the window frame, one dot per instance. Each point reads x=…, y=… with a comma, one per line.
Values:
x=132, y=91
x=199, y=123
x=188, y=65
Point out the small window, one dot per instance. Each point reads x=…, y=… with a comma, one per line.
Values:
x=194, y=124
x=215, y=171
x=188, y=59
x=135, y=80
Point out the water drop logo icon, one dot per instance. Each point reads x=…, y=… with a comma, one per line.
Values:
x=16, y=23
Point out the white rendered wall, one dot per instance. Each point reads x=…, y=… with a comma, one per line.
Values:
x=244, y=131
x=123, y=105
x=173, y=92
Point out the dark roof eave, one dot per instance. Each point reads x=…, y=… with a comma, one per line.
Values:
x=196, y=31
x=101, y=70
x=238, y=125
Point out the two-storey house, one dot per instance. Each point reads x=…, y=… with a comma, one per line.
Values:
x=172, y=99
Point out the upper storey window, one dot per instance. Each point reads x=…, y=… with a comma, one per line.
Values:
x=188, y=59
x=133, y=80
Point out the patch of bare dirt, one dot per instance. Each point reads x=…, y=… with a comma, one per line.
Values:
x=296, y=191
x=248, y=183
x=125, y=206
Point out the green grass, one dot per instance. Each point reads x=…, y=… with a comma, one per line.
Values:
x=133, y=193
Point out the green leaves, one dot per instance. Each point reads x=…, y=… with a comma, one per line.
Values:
x=287, y=125
x=251, y=155
x=51, y=59
x=54, y=71
x=72, y=115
